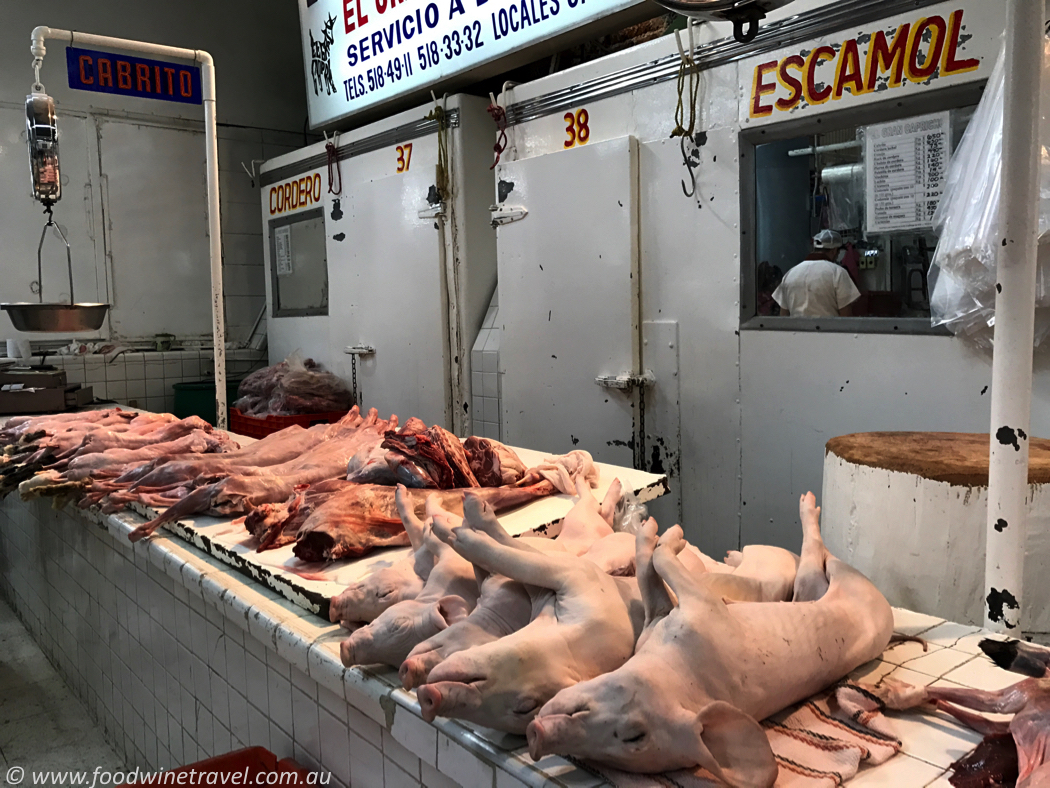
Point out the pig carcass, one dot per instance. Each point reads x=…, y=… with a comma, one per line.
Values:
x=586, y=624
x=363, y=601
x=505, y=605
x=448, y=595
x=706, y=672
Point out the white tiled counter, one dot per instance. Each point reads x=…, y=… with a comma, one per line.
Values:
x=180, y=658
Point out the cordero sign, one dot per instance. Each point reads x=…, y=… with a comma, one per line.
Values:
x=105, y=72
x=362, y=53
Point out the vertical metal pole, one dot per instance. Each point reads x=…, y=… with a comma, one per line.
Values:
x=1014, y=314
x=218, y=316
x=211, y=144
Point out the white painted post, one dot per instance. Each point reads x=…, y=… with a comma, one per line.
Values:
x=218, y=317
x=1014, y=314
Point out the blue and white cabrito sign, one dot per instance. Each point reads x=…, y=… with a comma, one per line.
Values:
x=126, y=75
x=361, y=53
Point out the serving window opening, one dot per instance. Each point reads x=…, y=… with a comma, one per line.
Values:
x=299, y=265
x=843, y=219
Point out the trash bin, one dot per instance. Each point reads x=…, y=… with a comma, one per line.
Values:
x=198, y=398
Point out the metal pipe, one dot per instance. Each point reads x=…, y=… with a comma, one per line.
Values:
x=207, y=64
x=1014, y=318
x=814, y=149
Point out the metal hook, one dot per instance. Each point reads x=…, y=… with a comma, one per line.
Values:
x=690, y=165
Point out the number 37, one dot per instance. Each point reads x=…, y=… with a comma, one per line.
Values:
x=404, y=157
x=577, y=130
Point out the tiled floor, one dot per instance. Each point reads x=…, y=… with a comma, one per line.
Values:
x=43, y=727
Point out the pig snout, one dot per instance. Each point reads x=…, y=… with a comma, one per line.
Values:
x=415, y=669
x=358, y=648
x=447, y=699
x=556, y=729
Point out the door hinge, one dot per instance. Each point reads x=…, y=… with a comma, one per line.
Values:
x=626, y=381
x=505, y=214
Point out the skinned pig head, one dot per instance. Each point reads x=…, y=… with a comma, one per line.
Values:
x=448, y=595
x=365, y=600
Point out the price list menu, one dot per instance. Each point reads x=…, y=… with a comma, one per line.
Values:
x=906, y=164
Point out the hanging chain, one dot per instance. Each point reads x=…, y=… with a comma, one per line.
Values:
x=353, y=373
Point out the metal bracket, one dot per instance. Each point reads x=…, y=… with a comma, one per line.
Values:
x=626, y=381
x=433, y=211
x=360, y=350
x=505, y=214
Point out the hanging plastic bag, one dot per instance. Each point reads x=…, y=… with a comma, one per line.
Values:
x=963, y=269
x=630, y=513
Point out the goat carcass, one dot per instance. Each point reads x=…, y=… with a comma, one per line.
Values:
x=252, y=486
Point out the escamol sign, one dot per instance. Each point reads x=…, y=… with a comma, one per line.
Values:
x=360, y=54
x=941, y=45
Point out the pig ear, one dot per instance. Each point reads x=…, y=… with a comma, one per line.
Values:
x=733, y=747
x=451, y=609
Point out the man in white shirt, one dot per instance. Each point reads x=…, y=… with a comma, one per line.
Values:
x=818, y=287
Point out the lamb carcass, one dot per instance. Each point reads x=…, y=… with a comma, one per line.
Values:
x=385, y=465
x=361, y=602
x=81, y=470
x=492, y=463
x=438, y=453
x=252, y=486
x=1028, y=701
x=707, y=672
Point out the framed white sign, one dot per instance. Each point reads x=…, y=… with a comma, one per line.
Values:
x=360, y=54
x=906, y=165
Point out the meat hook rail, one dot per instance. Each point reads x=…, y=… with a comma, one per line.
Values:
x=207, y=64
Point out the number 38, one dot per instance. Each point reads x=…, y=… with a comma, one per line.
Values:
x=577, y=130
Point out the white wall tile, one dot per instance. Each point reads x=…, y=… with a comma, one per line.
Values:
x=335, y=746
x=366, y=764
x=461, y=765
x=281, y=701
x=305, y=717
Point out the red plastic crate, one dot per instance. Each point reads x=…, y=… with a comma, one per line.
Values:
x=255, y=427
x=256, y=760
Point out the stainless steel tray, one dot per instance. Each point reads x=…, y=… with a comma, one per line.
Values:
x=56, y=317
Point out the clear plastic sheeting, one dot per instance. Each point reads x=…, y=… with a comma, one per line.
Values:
x=963, y=269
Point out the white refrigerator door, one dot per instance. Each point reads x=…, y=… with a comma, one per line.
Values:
x=568, y=300
x=387, y=290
